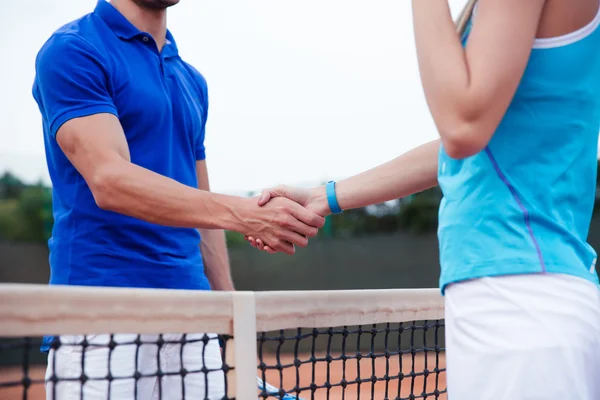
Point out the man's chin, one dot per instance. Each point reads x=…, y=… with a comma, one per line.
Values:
x=156, y=4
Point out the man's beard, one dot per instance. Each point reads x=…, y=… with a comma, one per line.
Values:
x=156, y=4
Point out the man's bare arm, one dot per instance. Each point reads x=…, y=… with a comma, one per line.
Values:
x=97, y=147
x=213, y=246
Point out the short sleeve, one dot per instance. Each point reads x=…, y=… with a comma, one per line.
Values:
x=200, y=148
x=200, y=82
x=71, y=81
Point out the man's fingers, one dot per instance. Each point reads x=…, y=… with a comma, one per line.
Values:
x=308, y=217
x=283, y=246
x=257, y=243
x=294, y=238
x=270, y=250
x=301, y=228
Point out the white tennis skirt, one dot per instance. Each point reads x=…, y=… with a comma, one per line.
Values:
x=524, y=337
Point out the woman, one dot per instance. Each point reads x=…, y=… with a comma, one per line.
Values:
x=517, y=107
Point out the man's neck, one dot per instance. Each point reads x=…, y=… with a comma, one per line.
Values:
x=147, y=20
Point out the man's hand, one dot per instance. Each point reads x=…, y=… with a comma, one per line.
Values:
x=314, y=200
x=281, y=222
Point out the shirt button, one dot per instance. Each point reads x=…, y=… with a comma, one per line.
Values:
x=145, y=39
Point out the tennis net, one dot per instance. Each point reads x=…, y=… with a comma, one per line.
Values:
x=163, y=344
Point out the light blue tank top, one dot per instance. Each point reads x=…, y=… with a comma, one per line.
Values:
x=524, y=203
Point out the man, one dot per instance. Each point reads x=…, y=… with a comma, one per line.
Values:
x=124, y=121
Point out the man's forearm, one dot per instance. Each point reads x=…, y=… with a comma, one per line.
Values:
x=129, y=189
x=216, y=259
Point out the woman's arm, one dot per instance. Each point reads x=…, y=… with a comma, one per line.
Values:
x=468, y=90
x=410, y=173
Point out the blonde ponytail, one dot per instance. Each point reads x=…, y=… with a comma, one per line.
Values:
x=465, y=16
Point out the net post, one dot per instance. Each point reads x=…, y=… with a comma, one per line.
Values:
x=244, y=355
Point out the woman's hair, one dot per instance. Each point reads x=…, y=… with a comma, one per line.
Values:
x=465, y=16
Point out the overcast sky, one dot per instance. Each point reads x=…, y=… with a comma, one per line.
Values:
x=300, y=91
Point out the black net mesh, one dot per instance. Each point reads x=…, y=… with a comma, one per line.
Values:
x=390, y=361
x=170, y=366
x=385, y=361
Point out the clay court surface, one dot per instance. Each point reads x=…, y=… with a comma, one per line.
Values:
x=36, y=392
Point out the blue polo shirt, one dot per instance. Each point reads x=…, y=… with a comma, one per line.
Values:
x=101, y=63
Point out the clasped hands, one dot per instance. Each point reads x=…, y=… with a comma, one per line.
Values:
x=300, y=214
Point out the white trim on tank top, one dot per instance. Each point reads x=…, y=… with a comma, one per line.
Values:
x=564, y=40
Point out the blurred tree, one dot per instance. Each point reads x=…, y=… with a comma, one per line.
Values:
x=8, y=219
x=420, y=215
x=47, y=215
x=327, y=230
x=31, y=215
x=27, y=218
x=365, y=221
x=234, y=239
x=10, y=186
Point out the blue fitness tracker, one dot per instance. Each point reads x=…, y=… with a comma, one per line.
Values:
x=332, y=198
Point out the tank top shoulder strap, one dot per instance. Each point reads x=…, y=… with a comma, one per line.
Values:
x=585, y=32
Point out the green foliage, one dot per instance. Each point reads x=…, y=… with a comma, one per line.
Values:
x=10, y=186
x=360, y=222
x=8, y=219
x=234, y=239
x=27, y=218
x=420, y=215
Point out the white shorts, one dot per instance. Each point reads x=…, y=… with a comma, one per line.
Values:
x=525, y=337
x=171, y=358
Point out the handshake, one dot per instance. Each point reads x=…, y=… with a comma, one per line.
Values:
x=284, y=217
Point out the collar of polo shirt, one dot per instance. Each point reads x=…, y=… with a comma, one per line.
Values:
x=126, y=30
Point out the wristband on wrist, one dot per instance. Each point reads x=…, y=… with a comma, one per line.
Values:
x=332, y=198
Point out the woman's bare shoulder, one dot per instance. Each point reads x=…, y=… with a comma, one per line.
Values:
x=561, y=17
